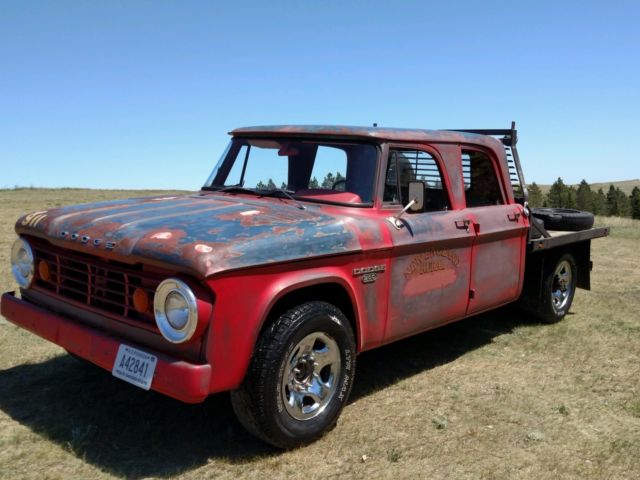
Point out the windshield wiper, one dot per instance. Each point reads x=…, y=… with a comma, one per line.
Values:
x=271, y=193
x=229, y=188
x=261, y=193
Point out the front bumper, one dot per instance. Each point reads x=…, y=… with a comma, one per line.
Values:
x=175, y=378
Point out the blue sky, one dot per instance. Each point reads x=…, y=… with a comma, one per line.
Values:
x=116, y=94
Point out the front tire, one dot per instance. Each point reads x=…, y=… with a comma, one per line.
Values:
x=300, y=376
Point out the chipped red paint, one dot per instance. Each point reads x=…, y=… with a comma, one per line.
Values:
x=250, y=252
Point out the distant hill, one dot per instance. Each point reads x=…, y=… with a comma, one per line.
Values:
x=625, y=185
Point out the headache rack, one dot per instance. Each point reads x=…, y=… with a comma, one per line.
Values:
x=548, y=239
x=509, y=138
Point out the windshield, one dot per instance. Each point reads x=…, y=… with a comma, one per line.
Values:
x=322, y=171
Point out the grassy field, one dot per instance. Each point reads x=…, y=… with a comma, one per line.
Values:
x=495, y=396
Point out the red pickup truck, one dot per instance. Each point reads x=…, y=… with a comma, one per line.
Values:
x=306, y=246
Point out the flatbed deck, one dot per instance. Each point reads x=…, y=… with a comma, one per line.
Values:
x=558, y=238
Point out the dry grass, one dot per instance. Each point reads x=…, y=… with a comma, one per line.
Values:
x=494, y=396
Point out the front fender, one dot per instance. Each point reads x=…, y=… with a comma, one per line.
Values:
x=244, y=300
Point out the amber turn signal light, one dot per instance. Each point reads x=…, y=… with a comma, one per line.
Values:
x=43, y=271
x=140, y=300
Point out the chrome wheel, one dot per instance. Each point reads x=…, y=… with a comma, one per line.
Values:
x=310, y=376
x=562, y=286
x=300, y=376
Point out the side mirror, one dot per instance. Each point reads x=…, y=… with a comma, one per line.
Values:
x=416, y=192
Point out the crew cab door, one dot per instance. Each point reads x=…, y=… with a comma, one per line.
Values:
x=497, y=265
x=431, y=253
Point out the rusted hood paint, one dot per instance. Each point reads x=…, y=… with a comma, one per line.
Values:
x=199, y=233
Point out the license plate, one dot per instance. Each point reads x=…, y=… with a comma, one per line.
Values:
x=134, y=366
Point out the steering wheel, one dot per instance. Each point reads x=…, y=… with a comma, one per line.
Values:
x=338, y=182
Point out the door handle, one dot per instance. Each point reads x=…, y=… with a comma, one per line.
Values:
x=463, y=224
x=513, y=217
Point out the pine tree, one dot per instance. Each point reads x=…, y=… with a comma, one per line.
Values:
x=561, y=196
x=635, y=203
x=261, y=186
x=584, y=197
x=569, y=201
x=624, y=203
x=612, y=202
x=536, y=197
x=554, y=197
x=271, y=185
x=618, y=203
x=328, y=181
x=600, y=203
x=313, y=183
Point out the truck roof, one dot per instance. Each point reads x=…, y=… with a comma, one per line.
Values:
x=375, y=133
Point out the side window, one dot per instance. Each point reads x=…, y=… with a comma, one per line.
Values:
x=481, y=187
x=414, y=165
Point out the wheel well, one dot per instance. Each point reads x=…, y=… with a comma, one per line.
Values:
x=535, y=267
x=581, y=253
x=332, y=293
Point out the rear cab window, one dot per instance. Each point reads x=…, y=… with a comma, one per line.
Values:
x=481, y=185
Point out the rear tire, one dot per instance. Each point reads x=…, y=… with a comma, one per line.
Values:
x=300, y=376
x=558, y=288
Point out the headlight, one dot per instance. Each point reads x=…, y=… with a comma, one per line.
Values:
x=22, y=263
x=176, y=310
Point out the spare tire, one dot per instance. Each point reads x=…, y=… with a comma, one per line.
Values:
x=564, y=219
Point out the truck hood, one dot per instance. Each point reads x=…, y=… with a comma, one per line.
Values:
x=199, y=233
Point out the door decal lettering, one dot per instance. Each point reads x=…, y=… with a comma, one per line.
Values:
x=430, y=261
